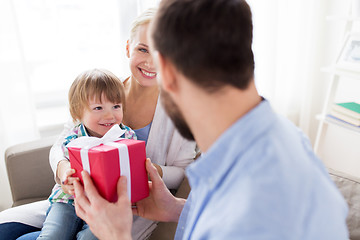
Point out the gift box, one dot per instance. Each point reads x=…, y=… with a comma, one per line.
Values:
x=107, y=161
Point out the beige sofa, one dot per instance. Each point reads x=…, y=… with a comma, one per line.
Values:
x=31, y=179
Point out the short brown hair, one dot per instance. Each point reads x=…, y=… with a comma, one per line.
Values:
x=209, y=41
x=94, y=83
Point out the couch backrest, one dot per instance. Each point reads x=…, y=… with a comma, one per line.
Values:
x=30, y=176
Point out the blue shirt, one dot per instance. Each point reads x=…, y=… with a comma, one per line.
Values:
x=143, y=133
x=261, y=180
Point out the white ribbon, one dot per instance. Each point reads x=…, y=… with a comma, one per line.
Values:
x=124, y=162
x=114, y=134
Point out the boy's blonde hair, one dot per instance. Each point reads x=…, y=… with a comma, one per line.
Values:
x=142, y=19
x=94, y=83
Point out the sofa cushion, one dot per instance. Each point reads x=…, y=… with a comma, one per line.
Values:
x=349, y=186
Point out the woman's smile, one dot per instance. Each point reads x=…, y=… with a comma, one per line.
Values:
x=147, y=74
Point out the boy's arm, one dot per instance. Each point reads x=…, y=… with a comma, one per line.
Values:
x=56, y=153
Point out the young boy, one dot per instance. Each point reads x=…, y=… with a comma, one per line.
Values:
x=96, y=101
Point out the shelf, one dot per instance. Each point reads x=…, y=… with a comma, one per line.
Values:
x=341, y=72
x=338, y=72
x=338, y=122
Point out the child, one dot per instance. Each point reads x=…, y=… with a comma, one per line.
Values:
x=97, y=102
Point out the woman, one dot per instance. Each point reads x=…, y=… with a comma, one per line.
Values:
x=164, y=146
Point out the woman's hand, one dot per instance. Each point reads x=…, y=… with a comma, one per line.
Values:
x=106, y=220
x=161, y=205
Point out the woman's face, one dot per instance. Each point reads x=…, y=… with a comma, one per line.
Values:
x=141, y=62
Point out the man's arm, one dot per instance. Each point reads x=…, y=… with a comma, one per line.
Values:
x=114, y=220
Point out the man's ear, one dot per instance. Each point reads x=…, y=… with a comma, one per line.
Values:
x=168, y=73
x=128, y=49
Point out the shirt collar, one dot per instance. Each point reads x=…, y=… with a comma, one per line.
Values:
x=83, y=131
x=236, y=138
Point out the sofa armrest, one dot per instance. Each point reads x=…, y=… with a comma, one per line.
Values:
x=30, y=176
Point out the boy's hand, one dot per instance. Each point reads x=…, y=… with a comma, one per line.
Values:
x=67, y=182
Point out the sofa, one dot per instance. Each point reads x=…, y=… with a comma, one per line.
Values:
x=31, y=179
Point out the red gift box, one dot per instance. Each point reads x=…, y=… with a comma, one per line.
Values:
x=104, y=162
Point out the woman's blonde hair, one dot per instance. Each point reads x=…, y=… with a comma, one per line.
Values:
x=142, y=19
x=94, y=83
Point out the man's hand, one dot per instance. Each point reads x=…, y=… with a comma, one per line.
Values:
x=161, y=205
x=106, y=220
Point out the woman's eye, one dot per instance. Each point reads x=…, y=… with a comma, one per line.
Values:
x=117, y=106
x=143, y=50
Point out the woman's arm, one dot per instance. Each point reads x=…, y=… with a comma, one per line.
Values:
x=179, y=159
x=168, y=149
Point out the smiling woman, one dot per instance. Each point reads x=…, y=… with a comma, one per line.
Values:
x=169, y=152
x=141, y=63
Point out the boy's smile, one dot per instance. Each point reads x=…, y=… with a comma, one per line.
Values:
x=101, y=116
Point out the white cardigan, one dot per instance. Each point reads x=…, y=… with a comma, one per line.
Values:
x=165, y=147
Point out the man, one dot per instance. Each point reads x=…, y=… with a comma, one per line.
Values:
x=258, y=177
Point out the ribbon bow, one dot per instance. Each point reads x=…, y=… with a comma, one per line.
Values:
x=86, y=142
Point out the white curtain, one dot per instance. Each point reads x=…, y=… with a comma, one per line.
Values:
x=292, y=42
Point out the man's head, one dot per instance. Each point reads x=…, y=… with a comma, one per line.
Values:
x=208, y=41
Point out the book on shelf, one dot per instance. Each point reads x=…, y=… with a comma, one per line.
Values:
x=345, y=118
x=351, y=109
x=344, y=115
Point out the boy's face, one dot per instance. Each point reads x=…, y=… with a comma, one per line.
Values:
x=141, y=62
x=100, y=117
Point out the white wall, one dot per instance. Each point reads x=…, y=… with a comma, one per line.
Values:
x=340, y=150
